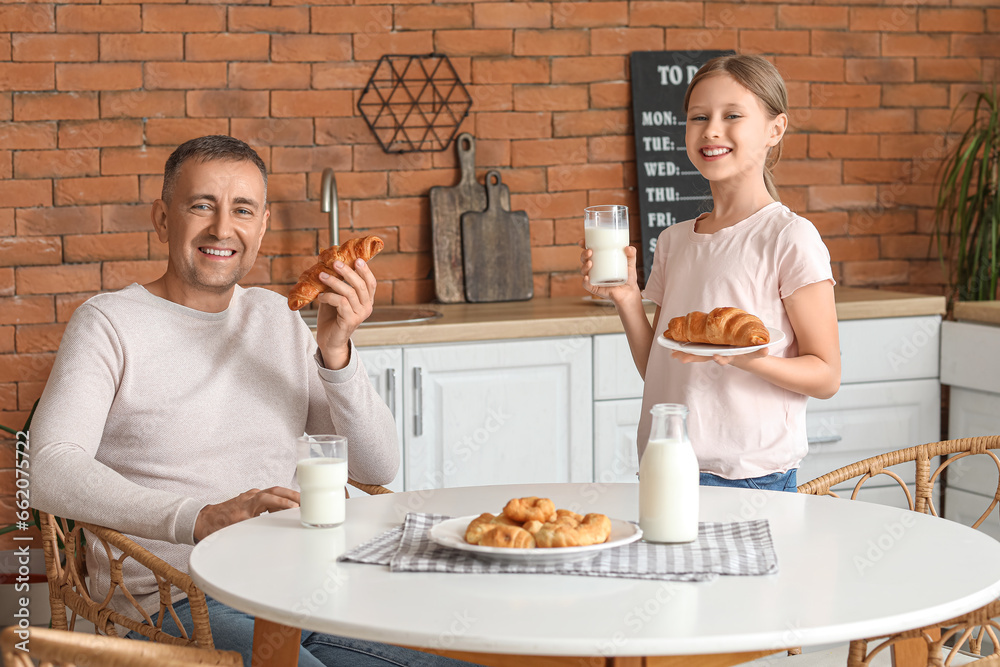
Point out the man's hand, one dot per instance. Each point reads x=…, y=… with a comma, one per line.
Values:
x=341, y=310
x=244, y=506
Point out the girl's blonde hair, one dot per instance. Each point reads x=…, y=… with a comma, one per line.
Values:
x=762, y=79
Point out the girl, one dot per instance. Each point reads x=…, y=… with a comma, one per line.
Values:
x=747, y=420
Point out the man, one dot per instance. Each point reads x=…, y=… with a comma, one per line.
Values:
x=171, y=405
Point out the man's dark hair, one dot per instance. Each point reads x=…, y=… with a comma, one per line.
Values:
x=212, y=147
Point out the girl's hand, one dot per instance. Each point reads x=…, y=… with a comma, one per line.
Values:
x=737, y=360
x=618, y=294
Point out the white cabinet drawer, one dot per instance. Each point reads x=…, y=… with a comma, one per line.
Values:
x=891, y=348
x=970, y=356
x=615, y=375
x=616, y=458
x=384, y=366
x=869, y=419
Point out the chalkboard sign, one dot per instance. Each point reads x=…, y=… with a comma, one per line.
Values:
x=670, y=189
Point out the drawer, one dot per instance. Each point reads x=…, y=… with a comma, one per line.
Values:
x=970, y=356
x=891, y=348
x=615, y=375
x=866, y=419
x=966, y=508
x=616, y=458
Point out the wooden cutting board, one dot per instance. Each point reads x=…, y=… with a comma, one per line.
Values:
x=496, y=245
x=447, y=206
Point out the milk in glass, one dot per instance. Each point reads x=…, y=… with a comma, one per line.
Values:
x=321, y=484
x=668, y=479
x=605, y=230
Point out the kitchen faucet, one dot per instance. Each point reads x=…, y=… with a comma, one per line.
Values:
x=329, y=204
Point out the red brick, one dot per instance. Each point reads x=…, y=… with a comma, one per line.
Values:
x=313, y=48
x=543, y=152
x=363, y=185
x=883, y=19
x=142, y=104
x=104, y=247
x=57, y=279
x=590, y=123
x=268, y=19
x=311, y=159
x=808, y=172
x=514, y=125
x=985, y=46
x=584, y=177
x=175, y=131
x=591, y=14
x=183, y=18
x=881, y=221
x=116, y=275
x=670, y=15
x=125, y=218
x=860, y=121
x=55, y=106
x=949, y=69
x=942, y=120
x=99, y=190
x=372, y=46
x=66, y=304
x=27, y=18
x=839, y=43
x=403, y=266
x=417, y=182
x=412, y=291
x=775, y=41
x=874, y=273
x=363, y=20
x=397, y=212
x=151, y=185
x=95, y=133
x=26, y=309
x=611, y=148
x=6, y=106
x=99, y=76
x=23, y=135
x=25, y=367
x=512, y=15
x=841, y=197
x=415, y=239
x=227, y=103
x=612, y=41
x=27, y=251
x=881, y=70
x=58, y=220
x=828, y=18
x=222, y=46
x=56, y=163
x=993, y=20
x=288, y=243
x=347, y=75
x=809, y=68
x=142, y=160
x=853, y=249
x=54, y=48
x=24, y=193
x=184, y=75
x=589, y=69
x=713, y=38
x=877, y=171
x=555, y=258
x=286, y=187
x=846, y=95
x=311, y=103
x=494, y=71
x=550, y=205
x=268, y=76
x=429, y=17
x=474, y=42
x=843, y=146
x=98, y=18
x=373, y=158
x=949, y=20
x=744, y=16
x=38, y=338
x=6, y=222
x=26, y=76
x=923, y=146
x=7, y=332
x=550, y=98
x=142, y=47
x=273, y=131
x=914, y=95
x=551, y=43
x=491, y=98
x=914, y=45
x=817, y=120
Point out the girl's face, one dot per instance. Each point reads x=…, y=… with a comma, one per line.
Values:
x=728, y=131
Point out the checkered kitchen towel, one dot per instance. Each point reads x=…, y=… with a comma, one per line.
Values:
x=737, y=548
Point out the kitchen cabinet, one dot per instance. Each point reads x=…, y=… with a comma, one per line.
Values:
x=617, y=406
x=384, y=366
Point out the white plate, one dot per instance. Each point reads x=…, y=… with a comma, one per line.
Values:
x=601, y=301
x=708, y=350
x=451, y=533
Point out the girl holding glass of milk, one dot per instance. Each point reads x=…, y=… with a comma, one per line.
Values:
x=747, y=412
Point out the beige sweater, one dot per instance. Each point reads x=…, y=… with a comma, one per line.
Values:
x=154, y=410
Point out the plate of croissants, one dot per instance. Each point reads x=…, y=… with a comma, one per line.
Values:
x=532, y=530
x=725, y=331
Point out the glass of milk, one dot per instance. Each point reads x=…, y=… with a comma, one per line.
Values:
x=322, y=478
x=605, y=230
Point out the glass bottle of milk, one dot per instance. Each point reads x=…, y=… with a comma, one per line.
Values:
x=668, y=479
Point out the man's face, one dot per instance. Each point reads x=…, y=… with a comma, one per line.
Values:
x=213, y=223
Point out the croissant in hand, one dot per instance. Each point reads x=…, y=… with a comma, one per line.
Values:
x=722, y=326
x=310, y=286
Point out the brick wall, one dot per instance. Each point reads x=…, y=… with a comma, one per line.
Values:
x=93, y=97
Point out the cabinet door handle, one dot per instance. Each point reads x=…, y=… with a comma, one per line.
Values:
x=390, y=390
x=824, y=439
x=418, y=401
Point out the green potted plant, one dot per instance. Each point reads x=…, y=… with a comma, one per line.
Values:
x=967, y=215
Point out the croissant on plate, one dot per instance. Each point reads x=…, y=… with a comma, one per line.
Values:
x=722, y=326
x=310, y=286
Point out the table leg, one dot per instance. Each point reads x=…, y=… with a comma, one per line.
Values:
x=912, y=652
x=713, y=660
x=275, y=645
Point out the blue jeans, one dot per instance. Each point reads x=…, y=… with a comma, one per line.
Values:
x=233, y=631
x=776, y=481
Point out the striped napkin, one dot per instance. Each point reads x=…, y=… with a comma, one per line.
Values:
x=740, y=548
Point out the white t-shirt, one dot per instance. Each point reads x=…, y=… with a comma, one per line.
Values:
x=740, y=425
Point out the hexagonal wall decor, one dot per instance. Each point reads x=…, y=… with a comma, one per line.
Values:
x=414, y=103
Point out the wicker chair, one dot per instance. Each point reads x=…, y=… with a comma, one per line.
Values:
x=969, y=628
x=60, y=648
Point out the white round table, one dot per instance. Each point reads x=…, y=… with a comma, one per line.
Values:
x=846, y=570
